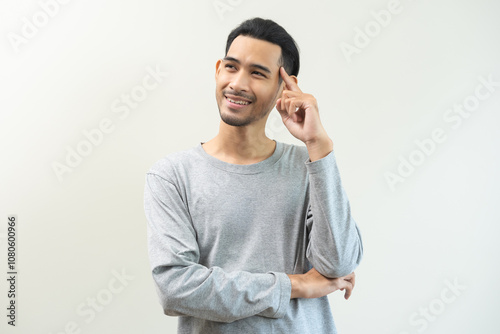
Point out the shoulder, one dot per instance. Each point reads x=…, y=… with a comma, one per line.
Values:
x=169, y=166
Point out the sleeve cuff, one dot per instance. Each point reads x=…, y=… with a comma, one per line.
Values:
x=285, y=294
x=322, y=164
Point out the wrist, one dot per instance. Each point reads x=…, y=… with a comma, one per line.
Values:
x=295, y=283
x=319, y=148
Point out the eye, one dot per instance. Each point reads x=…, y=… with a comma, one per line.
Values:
x=259, y=73
x=230, y=67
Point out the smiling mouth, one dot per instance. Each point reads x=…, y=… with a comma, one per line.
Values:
x=239, y=102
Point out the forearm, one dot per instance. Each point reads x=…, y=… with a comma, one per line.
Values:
x=335, y=245
x=319, y=148
x=314, y=285
x=215, y=295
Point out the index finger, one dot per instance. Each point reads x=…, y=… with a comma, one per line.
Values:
x=290, y=84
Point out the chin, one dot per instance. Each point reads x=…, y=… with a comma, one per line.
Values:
x=234, y=121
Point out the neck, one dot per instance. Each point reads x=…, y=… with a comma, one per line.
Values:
x=240, y=145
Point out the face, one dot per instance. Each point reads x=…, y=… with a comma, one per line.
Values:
x=247, y=81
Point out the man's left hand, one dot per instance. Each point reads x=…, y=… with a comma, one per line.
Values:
x=300, y=114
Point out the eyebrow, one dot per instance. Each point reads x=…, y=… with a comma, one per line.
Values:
x=263, y=68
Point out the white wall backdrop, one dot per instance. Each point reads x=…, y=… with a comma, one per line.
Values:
x=94, y=92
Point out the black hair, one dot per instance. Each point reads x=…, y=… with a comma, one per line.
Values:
x=270, y=31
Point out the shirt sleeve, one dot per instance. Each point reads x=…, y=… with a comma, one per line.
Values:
x=187, y=288
x=335, y=246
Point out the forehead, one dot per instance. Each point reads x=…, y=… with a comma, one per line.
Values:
x=251, y=50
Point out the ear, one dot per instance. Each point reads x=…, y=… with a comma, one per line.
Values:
x=217, y=68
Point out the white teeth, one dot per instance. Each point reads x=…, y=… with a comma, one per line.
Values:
x=238, y=102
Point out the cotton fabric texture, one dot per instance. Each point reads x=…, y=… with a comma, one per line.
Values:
x=223, y=237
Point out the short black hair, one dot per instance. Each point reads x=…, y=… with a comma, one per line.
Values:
x=270, y=31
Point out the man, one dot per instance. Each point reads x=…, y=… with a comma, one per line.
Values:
x=247, y=234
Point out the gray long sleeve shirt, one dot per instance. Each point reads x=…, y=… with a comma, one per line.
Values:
x=223, y=237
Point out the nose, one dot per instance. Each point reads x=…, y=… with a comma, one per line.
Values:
x=239, y=82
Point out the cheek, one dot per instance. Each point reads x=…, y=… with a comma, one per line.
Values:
x=268, y=96
x=223, y=82
x=224, y=76
x=220, y=85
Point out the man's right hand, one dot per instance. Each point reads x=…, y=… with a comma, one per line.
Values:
x=313, y=285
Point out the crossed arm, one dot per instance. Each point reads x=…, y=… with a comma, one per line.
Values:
x=299, y=112
x=314, y=285
x=189, y=289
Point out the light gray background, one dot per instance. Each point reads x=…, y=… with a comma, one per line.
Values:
x=440, y=224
